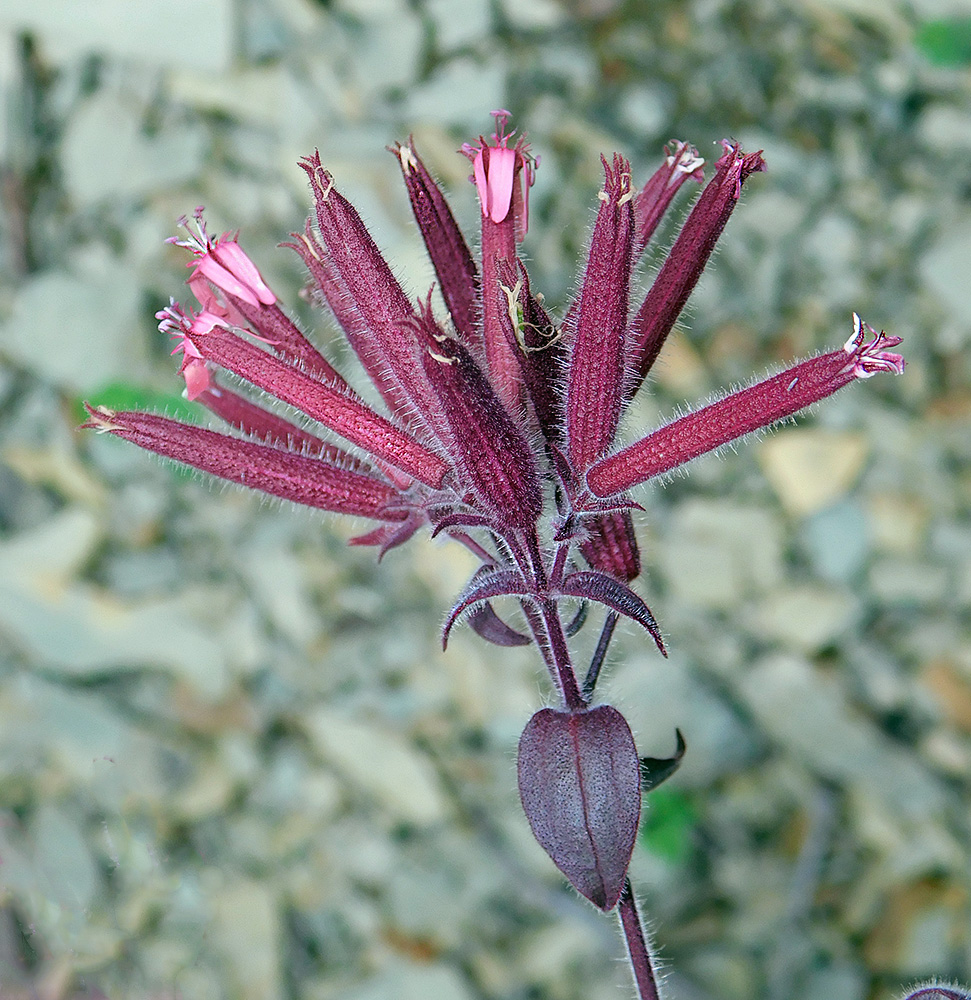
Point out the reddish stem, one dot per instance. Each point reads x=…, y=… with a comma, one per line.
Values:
x=637, y=950
x=561, y=656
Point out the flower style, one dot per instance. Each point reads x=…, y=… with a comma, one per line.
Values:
x=499, y=426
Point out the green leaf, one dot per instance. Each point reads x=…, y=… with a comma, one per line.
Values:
x=666, y=828
x=946, y=42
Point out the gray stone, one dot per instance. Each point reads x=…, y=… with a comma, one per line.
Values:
x=716, y=553
x=99, y=303
x=908, y=581
x=66, y=871
x=457, y=23
x=807, y=713
x=405, y=981
x=658, y=697
x=457, y=93
x=836, y=540
x=110, y=155
x=138, y=32
x=807, y=618
x=944, y=268
x=245, y=929
x=381, y=763
x=835, y=982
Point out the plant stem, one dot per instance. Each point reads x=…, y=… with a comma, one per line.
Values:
x=575, y=701
x=637, y=950
x=599, y=654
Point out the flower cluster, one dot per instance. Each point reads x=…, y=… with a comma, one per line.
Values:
x=489, y=410
x=498, y=427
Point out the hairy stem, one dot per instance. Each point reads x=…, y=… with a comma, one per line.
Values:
x=599, y=654
x=574, y=700
x=637, y=950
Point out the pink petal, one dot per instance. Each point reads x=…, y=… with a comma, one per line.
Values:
x=501, y=172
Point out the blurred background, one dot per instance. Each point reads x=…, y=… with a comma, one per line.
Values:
x=234, y=762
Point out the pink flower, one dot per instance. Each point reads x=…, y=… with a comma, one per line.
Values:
x=221, y=261
x=499, y=171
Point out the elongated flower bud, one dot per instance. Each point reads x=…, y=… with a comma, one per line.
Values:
x=503, y=175
x=597, y=361
x=745, y=411
x=447, y=249
x=269, y=427
x=385, y=311
x=345, y=415
x=681, y=163
x=312, y=482
x=494, y=455
x=680, y=272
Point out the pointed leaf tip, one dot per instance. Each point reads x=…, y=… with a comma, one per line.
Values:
x=654, y=770
x=483, y=586
x=594, y=586
x=580, y=784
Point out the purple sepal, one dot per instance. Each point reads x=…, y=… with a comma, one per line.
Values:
x=389, y=536
x=460, y=519
x=580, y=784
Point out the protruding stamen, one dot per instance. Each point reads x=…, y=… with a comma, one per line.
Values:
x=872, y=357
x=221, y=260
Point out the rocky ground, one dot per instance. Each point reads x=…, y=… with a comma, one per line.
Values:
x=234, y=762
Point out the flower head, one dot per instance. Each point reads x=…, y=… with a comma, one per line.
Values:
x=498, y=421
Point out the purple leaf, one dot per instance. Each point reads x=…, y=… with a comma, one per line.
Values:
x=580, y=784
x=482, y=587
x=613, y=594
x=489, y=626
